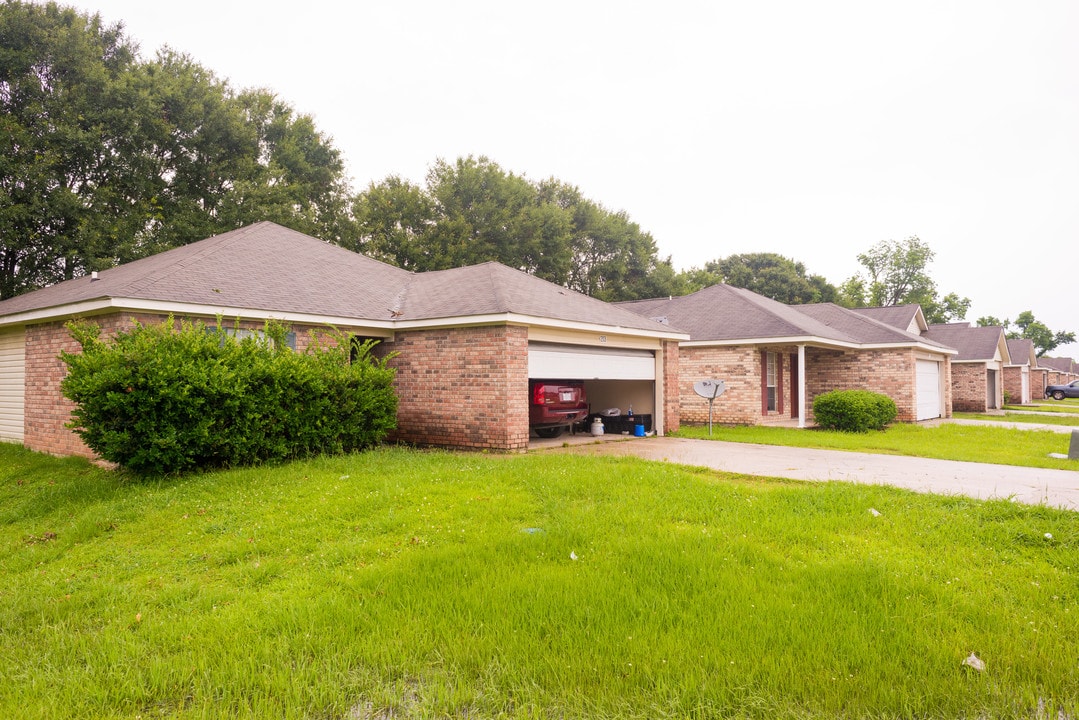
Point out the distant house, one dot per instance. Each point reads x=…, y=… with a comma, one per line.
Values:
x=774, y=359
x=467, y=341
x=1060, y=371
x=978, y=369
x=1022, y=381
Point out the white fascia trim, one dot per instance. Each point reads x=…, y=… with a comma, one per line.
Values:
x=104, y=305
x=97, y=307
x=916, y=346
x=802, y=340
x=534, y=321
x=821, y=343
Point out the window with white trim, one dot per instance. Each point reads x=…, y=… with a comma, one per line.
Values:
x=770, y=382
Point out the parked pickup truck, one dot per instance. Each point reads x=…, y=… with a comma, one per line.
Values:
x=1059, y=392
x=555, y=405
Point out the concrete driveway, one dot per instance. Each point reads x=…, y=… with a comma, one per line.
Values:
x=1055, y=488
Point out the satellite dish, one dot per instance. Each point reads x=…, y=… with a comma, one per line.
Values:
x=709, y=389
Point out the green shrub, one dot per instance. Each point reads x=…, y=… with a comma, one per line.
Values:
x=160, y=399
x=853, y=410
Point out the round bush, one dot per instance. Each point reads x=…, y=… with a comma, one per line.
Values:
x=854, y=410
x=160, y=399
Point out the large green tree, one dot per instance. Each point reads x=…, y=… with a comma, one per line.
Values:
x=768, y=274
x=107, y=158
x=471, y=211
x=1026, y=326
x=896, y=274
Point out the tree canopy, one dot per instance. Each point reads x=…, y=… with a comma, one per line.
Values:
x=768, y=274
x=1026, y=326
x=896, y=274
x=107, y=158
x=472, y=211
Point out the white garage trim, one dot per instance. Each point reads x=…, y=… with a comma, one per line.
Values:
x=927, y=389
x=581, y=362
x=12, y=385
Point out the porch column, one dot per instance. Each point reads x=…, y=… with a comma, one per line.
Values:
x=802, y=386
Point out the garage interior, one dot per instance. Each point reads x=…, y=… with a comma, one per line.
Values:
x=614, y=378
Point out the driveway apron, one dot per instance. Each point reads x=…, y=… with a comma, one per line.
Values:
x=1055, y=488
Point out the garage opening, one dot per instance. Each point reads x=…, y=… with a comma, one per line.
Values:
x=616, y=381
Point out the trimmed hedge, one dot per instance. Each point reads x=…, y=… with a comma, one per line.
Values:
x=161, y=399
x=853, y=410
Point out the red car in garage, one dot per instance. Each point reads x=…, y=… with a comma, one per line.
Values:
x=555, y=405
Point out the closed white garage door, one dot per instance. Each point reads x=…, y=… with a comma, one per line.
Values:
x=577, y=362
x=928, y=389
x=12, y=384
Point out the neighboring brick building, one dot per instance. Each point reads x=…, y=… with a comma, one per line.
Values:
x=1059, y=371
x=466, y=341
x=1022, y=382
x=774, y=359
x=978, y=369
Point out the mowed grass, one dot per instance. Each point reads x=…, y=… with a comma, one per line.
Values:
x=1066, y=406
x=400, y=583
x=1066, y=419
x=947, y=441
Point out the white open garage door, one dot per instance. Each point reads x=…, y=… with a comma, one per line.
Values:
x=580, y=362
x=928, y=389
x=12, y=384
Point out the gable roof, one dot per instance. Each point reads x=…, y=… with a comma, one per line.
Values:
x=266, y=270
x=492, y=288
x=1059, y=364
x=726, y=314
x=1021, y=351
x=975, y=344
x=904, y=317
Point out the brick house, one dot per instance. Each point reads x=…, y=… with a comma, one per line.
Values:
x=466, y=340
x=1059, y=371
x=774, y=358
x=978, y=369
x=1022, y=381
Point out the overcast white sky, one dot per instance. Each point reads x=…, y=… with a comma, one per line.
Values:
x=810, y=129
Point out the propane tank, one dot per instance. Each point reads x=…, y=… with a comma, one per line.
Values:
x=597, y=427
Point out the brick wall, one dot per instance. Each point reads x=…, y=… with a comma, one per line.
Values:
x=739, y=367
x=1013, y=383
x=1037, y=384
x=671, y=403
x=47, y=410
x=969, y=387
x=463, y=387
x=889, y=372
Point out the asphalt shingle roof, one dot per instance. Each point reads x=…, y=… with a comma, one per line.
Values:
x=260, y=267
x=1060, y=364
x=267, y=267
x=726, y=313
x=493, y=288
x=898, y=316
x=1021, y=351
x=973, y=343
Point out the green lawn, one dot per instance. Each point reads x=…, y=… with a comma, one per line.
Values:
x=971, y=443
x=1024, y=417
x=1070, y=405
x=400, y=583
